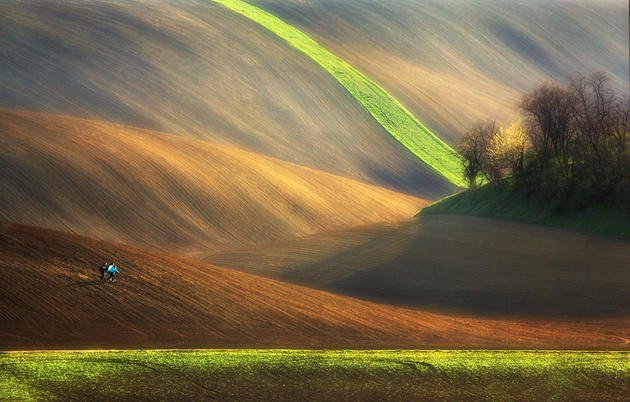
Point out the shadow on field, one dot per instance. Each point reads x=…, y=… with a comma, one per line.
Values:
x=84, y=284
x=457, y=264
x=509, y=269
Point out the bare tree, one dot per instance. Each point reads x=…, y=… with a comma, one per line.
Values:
x=473, y=146
x=549, y=110
x=593, y=119
x=578, y=140
x=621, y=138
x=621, y=123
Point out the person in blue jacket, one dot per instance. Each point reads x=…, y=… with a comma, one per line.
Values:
x=111, y=272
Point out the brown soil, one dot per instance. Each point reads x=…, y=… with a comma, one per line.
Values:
x=197, y=70
x=170, y=193
x=456, y=264
x=50, y=298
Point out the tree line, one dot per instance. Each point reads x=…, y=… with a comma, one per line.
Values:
x=569, y=139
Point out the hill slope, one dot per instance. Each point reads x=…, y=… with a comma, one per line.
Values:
x=456, y=264
x=198, y=70
x=386, y=110
x=162, y=191
x=49, y=298
x=605, y=215
x=452, y=62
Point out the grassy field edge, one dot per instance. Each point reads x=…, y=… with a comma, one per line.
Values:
x=304, y=374
x=507, y=202
x=397, y=120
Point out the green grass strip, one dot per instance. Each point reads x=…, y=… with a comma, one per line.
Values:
x=256, y=375
x=397, y=120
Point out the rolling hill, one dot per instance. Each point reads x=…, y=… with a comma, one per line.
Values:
x=401, y=124
x=452, y=62
x=50, y=298
x=167, y=192
x=192, y=132
x=199, y=70
x=456, y=264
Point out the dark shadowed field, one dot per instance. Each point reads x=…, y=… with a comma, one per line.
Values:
x=457, y=264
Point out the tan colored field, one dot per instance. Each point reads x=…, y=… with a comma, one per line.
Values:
x=457, y=264
x=197, y=70
x=452, y=62
x=161, y=191
x=50, y=298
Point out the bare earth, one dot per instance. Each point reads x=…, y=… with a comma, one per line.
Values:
x=50, y=298
x=161, y=191
x=452, y=62
x=456, y=264
x=197, y=70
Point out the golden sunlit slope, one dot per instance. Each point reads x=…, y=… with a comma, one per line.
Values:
x=457, y=264
x=50, y=298
x=198, y=70
x=163, y=191
x=451, y=62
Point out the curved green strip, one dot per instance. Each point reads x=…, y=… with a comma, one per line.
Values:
x=401, y=124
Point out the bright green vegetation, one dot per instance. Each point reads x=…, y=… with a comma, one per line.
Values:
x=321, y=375
x=401, y=124
x=505, y=201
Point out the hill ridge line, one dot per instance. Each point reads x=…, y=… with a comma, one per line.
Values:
x=224, y=147
x=392, y=115
x=201, y=195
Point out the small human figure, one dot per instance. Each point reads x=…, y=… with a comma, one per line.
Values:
x=103, y=269
x=111, y=272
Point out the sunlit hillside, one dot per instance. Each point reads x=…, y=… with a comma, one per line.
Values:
x=452, y=62
x=162, y=191
x=197, y=70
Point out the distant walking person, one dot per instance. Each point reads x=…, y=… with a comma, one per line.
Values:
x=111, y=272
x=103, y=269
